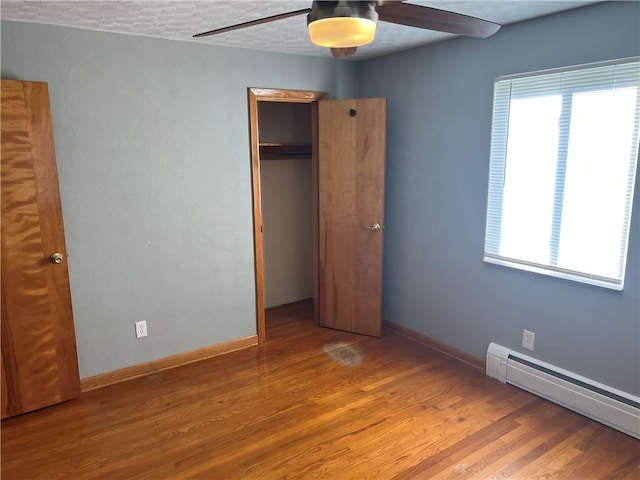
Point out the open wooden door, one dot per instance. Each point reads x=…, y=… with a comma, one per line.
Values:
x=39, y=359
x=351, y=166
x=348, y=163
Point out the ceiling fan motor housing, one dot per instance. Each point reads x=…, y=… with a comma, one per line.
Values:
x=342, y=24
x=342, y=8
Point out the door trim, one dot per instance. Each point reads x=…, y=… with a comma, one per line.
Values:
x=285, y=96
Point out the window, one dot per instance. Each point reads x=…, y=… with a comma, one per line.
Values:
x=564, y=152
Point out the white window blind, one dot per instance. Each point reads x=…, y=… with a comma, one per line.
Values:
x=564, y=152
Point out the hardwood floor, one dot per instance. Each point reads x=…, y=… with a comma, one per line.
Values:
x=384, y=408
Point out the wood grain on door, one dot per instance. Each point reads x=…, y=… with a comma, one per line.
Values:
x=352, y=139
x=39, y=358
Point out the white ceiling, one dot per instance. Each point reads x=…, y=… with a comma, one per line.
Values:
x=180, y=19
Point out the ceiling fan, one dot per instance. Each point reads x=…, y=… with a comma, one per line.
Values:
x=343, y=25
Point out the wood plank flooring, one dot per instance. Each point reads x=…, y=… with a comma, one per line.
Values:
x=315, y=403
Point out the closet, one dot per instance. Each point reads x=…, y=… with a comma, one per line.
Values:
x=286, y=196
x=340, y=146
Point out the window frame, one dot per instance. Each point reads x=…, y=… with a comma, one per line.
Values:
x=498, y=165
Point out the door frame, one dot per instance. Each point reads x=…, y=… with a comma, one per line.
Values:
x=256, y=95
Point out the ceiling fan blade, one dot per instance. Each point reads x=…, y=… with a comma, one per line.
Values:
x=343, y=52
x=434, y=19
x=252, y=23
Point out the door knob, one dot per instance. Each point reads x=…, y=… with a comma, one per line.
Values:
x=374, y=227
x=56, y=258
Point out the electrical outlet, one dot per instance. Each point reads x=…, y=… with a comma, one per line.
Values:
x=528, y=339
x=141, y=329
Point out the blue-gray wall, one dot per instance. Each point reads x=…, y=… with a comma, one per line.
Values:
x=439, y=126
x=152, y=145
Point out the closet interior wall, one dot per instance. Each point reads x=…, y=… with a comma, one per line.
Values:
x=285, y=176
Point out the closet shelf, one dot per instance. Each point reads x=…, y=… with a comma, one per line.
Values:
x=285, y=151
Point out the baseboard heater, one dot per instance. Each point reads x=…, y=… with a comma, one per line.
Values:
x=604, y=404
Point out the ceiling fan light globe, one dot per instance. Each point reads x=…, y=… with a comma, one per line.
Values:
x=342, y=32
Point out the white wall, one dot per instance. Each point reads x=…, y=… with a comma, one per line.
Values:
x=286, y=215
x=284, y=122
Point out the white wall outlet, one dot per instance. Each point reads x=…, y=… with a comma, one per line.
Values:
x=141, y=329
x=528, y=339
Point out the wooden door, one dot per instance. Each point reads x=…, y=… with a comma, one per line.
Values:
x=351, y=163
x=39, y=359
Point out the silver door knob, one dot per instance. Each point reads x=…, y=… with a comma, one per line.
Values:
x=374, y=227
x=56, y=258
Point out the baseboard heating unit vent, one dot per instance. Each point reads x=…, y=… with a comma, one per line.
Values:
x=604, y=404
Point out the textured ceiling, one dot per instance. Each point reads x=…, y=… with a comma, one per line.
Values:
x=180, y=19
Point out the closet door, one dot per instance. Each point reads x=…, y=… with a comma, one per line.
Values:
x=351, y=167
x=39, y=359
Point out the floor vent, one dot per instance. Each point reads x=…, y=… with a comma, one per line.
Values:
x=604, y=404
